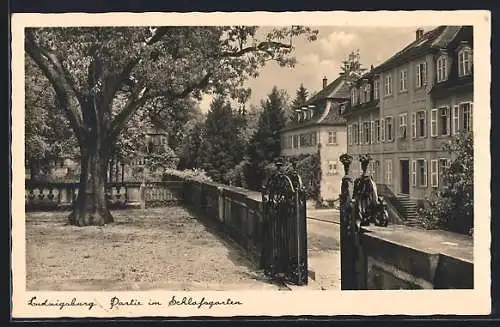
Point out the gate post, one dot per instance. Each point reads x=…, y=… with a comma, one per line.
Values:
x=348, y=229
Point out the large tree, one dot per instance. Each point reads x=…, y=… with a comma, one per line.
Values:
x=89, y=67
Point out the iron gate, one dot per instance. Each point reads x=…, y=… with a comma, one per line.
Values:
x=284, y=256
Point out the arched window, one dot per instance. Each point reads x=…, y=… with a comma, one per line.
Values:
x=442, y=68
x=464, y=61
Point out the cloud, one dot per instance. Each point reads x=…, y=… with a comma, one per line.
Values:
x=337, y=41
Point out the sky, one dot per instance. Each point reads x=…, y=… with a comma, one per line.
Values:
x=323, y=57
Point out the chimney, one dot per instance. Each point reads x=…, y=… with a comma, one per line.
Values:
x=419, y=33
x=371, y=67
x=325, y=82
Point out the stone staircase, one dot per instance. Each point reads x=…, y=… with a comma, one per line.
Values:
x=405, y=207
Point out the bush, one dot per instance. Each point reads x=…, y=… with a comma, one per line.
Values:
x=196, y=174
x=452, y=207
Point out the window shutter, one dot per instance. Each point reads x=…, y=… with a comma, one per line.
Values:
x=372, y=132
x=419, y=74
x=413, y=124
x=349, y=138
x=425, y=173
x=434, y=126
x=382, y=130
x=455, y=119
x=434, y=173
x=424, y=73
x=471, y=113
x=414, y=173
x=425, y=123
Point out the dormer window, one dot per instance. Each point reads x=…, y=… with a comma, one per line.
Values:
x=442, y=68
x=464, y=61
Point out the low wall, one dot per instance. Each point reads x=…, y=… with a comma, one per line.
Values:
x=401, y=257
x=54, y=196
x=237, y=211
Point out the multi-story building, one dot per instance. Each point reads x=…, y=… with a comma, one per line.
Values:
x=320, y=127
x=403, y=111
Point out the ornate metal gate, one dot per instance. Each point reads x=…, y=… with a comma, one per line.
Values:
x=284, y=256
x=360, y=205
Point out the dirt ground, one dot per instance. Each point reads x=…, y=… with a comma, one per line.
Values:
x=165, y=248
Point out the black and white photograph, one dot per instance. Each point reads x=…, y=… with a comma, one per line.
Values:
x=251, y=164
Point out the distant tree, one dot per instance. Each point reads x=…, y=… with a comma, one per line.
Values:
x=190, y=145
x=300, y=99
x=351, y=68
x=265, y=145
x=221, y=148
x=452, y=207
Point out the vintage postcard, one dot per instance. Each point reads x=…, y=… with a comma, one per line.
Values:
x=251, y=164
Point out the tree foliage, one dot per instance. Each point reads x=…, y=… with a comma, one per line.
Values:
x=351, y=68
x=300, y=99
x=265, y=145
x=452, y=207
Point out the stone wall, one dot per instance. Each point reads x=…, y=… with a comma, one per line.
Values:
x=401, y=257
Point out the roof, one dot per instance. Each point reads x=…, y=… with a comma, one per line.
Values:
x=437, y=38
x=323, y=113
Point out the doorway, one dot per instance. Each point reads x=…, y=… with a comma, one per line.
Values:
x=405, y=176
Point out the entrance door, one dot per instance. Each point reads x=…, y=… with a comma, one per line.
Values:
x=405, y=178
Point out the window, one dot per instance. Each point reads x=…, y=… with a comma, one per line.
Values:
x=403, y=118
x=354, y=99
x=414, y=173
x=456, y=120
x=464, y=62
x=372, y=132
x=467, y=116
x=388, y=171
x=355, y=133
x=434, y=130
x=444, y=121
x=377, y=130
x=376, y=170
x=387, y=85
x=349, y=134
x=361, y=130
x=296, y=141
x=422, y=172
x=361, y=95
x=434, y=173
x=382, y=130
x=332, y=137
x=443, y=165
x=442, y=69
x=332, y=167
x=421, y=124
x=389, y=133
x=366, y=132
x=403, y=80
x=413, y=124
x=376, y=87
x=421, y=75
x=366, y=91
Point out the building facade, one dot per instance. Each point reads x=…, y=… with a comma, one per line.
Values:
x=320, y=127
x=404, y=110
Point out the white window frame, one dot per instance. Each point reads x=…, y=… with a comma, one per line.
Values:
x=413, y=173
x=377, y=131
x=366, y=132
x=332, y=135
x=448, y=120
x=388, y=171
x=419, y=135
x=372, y=132
x=434, y=126
x=434, y=173
x=403, y=122
x=455, y=120
x=391, y=131
x=388, y=85
x=413, y=125
x=355, y=134
x=421, y=75
x=376, y=88
x=464, y=66
x=382, y=130
x=332, y=170
x=469, y=116
x=425, y=177
x=403, y=80
x=442, y=68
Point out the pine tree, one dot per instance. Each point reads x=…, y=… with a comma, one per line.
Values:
x=220, y=149
x=265, y=144
x=300, y=99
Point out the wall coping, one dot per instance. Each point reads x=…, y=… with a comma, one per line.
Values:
x=428, y=241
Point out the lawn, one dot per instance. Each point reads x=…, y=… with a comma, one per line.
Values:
x=164, y=248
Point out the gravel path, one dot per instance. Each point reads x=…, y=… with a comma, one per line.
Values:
x=165, y=248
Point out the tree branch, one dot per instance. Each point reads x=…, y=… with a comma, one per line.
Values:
x=202, y=83
x=156, y=34
x=52, y=68
x=262, y=46
x=134, y=102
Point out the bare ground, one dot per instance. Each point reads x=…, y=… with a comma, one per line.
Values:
x=165, y=248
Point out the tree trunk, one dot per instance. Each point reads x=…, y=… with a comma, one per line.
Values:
x=91, y=206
